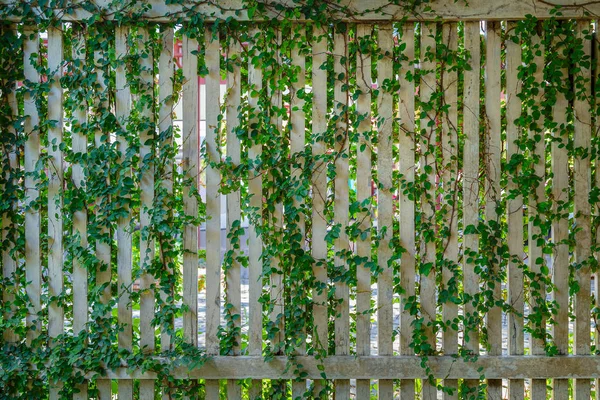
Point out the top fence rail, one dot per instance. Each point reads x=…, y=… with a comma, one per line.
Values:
x=346, y=10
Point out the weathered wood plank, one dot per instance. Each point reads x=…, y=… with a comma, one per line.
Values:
x=55, y=186
x=387, y=367
x=493, y=151
x=165, y=128
x=363, y=194
x=582, y=122
x=319, y=192
x=255, y=191
x=536, y=256
x=352, y=10
x=234, y=218
x=385, y=143
x=190, y=189
x=213, y=201
x=147, y=168
x=33, y=267
x=470, y=186
x=79, y=144
x=277, y=315
x=449, y=150
x=341, y=200
x=103, y=243
x=124, y=240
x=297, y=145
x=407, y=145
x=190, y=202
x=560, y=226
x=514, y=210
x=428, y=145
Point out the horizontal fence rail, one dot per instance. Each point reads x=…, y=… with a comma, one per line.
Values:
x=374, y=207
x=349, y=10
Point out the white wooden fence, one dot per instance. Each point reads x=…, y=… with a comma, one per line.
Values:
x=475, y=136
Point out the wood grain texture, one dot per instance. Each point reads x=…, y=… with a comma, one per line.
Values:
x=55, y=190
x=255, y=191
x=470, y=186
x=449, y=151
x=79, y=144
x=190, y=203
x=297, y=146
x=407, y=147
x=234, y=218
x=361, y=10
x=147, y=180
x=341, y=200
x=560, y=226
x=385, y=143
x=363, y=193
x=277, y=289
x=212, y=58
x=33, y=267
x=428, y=146
x=387, y=367
x=166, y=71
x=124, y=240
x=493, y=202
x=103, y=242
x=536, y=256
x=514, y=209
x=319, y=192
x=582, y=122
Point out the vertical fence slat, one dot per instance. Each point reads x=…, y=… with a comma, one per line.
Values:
x=385, y=143
x=234, y=219
x=190, y=189
x=514, y=209
x=255, y=191
x=297, y=143
x=471, y=185
x=102, y=245
x=363, y=194
x=165, y=124
x=79, y=146
x=428, y=144
x=213, y=203
x=319, y=193
x=449, y=150
x=124, y=244
x=406, y=113
x=582, y=177
x=341, y=202
x=55, y=193
x=560, y=226
x=33, y=269
x=147, y=169
x=493, y=151
x=536, y=256
x=165, y=127
x=276, y=216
